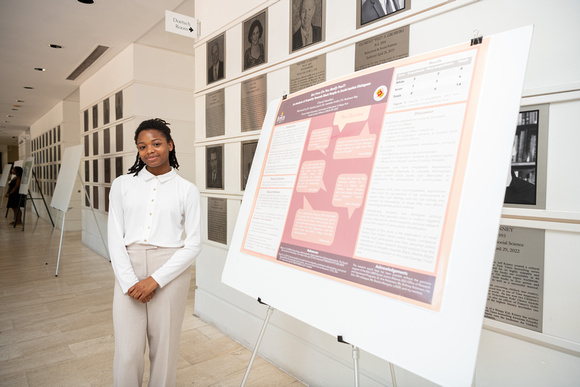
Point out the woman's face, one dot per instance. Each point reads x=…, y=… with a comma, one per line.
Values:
x=256, y=35
x=154, y=151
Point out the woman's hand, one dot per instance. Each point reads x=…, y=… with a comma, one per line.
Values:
x=143, y=291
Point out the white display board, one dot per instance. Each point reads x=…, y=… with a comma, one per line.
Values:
x=66, y=178
x=5, y=175
x=372, y=207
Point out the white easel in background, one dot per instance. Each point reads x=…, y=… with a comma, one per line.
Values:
x=62, y=193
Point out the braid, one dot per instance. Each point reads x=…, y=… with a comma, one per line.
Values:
x=162, y=126
x=138, y=166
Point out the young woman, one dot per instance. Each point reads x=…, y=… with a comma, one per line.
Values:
x=13, y=195
x=154, y=233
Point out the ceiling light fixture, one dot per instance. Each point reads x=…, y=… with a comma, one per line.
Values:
x=39, y=69
x=29, y=87
x=19, y=100
x=86, y=1
x=54, y=46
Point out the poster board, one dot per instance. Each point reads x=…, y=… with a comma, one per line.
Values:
x=26, y=175
x=5, y=175
x=416, y=149
x=66, y=178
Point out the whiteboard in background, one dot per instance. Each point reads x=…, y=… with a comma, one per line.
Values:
x=5, y=175
x=66, y=178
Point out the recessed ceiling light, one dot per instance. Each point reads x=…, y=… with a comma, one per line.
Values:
x=29, y=87
x=19, y=100
x=86, y=1
x=54, y=46
x=39, y=69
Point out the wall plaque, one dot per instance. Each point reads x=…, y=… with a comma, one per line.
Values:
x=515, y=293
x=253, y=103
x=217, y=220
x=215, y=113
x=383, y=48
x=307, y=73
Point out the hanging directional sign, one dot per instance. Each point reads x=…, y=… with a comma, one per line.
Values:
x=181, y=24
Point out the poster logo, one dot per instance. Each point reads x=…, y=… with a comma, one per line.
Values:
x=281, y=118
x=380, y=93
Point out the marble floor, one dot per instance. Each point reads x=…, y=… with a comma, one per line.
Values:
x=58, y=331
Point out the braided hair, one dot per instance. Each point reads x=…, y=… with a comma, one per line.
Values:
x=162, y=126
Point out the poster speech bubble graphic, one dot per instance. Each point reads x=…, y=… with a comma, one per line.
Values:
x=349, y=191
x=320, y=139
x=314, y=226
x=310, y=178
x=355, y=147
x=344, y=117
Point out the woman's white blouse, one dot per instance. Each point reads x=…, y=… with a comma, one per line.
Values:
x=153, y=210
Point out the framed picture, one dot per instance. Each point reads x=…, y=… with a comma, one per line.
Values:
x=248, y=150
x=526, y=183
x=255, y=40
x=307, y=24
x=369, y=11
x=214, y=166
x=216, y=69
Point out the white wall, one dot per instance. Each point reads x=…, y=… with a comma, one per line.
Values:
x=154, y=83
x=65, y=115
x=507, y=355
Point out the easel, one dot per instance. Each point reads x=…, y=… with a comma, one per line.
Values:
x=62, y=227
x=29, y=195
x=355, y=351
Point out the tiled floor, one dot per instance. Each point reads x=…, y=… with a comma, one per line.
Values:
x=58, y=331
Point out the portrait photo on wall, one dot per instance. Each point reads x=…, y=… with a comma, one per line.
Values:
x=248, y=151
x=255, y=40
x=307, y=25
x=369, y=11
x=216, y=59
x=214, y=166
x=525, y=183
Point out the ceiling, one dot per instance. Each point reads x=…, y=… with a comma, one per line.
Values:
x=29, y=27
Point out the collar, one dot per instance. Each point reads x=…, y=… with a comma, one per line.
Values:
x=146, y=175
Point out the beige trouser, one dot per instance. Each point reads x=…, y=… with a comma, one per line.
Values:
x=158, y=321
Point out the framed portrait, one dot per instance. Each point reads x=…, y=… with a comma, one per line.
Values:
x=95, y=116
x=255, y=40
x=526, y=182
x=369, y=11
x=106, y=111
x=307, y=24
x=119, y=105
x=248, y=150
x=216, y=62
x=214, y=166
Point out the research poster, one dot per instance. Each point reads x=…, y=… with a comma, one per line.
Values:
x=372, y=207
x=358, y=177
